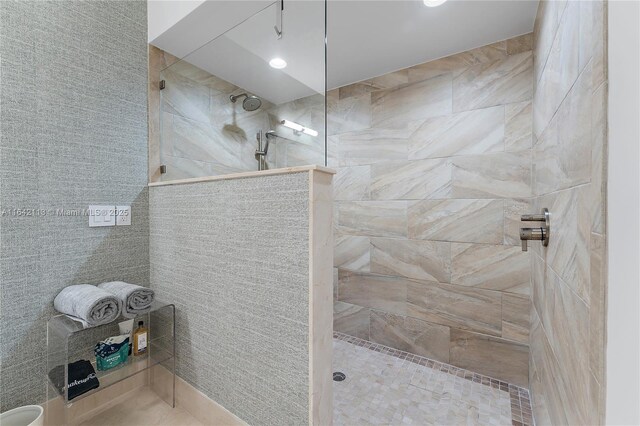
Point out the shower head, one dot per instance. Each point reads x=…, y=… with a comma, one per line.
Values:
x=250, y=103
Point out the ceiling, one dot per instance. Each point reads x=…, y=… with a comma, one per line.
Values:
x=365, y=39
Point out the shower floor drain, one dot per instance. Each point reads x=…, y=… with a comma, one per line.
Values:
x=338, y=376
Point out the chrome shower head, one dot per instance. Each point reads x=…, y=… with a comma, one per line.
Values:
x=250, y=103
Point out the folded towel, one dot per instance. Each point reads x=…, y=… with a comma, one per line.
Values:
x=82, y=378
x=136, y=300
x=88, y=304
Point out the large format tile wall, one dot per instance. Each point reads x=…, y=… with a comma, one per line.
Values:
x=196, y=131
x=569, y=157
x=233, y=255
x=434, y=170
x=74, y=133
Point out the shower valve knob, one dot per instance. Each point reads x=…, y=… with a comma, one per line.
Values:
x=540, y=233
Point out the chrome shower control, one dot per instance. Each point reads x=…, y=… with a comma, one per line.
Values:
x=540, y=233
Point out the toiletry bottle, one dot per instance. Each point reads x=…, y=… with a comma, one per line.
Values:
x=140, y=337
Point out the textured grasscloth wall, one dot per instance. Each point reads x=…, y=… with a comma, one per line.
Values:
x=434, y=169
x=233, y=255
x=569, y=158
x=73, y=132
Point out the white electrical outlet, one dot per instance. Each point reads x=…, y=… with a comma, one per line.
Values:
x=123, y=215
x=102, y=216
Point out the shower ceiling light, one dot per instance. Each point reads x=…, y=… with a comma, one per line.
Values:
x=433, y=3
x=298, y=128
x=278, y=63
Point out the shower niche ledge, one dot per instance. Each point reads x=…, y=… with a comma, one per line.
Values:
x=68, y=342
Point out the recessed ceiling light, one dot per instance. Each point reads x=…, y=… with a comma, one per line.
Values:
x=279, y=63
x=433, y=3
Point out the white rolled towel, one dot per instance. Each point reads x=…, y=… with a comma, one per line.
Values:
x=90, y=305
x=136, y=300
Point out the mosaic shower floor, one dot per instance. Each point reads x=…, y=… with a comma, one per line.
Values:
x=391, y=387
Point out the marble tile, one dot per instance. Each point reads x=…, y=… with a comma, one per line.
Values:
x=515, y=317
x=455, y=306
x=523, y=43
x=560, y=71
x=513, y=211
x=470, y=132
x=598, y=185
x=421, y=100
x=351, y=319
x=427, y=260
x=544, y=32
x=494, y=83
x=373, y=218
x=410, y=335
x=548, y=394
x=597, y=308
x=351, y=253
x=352, y=183
x=489, y=355
x=349, y=114
x=493, y=267
x=562, y=156
x=586, y=34
x=568, y=250
x=411, y=180
x=372, y=146
x=458, y=63
x=497, y=175
x=386, y=81
x=571, y=345
x=388, y=294
x=143, y=408
x=518, y=126
x=478, y=221
x=599, y=39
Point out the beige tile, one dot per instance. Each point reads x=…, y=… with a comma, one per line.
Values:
x=571, y=346
x=352, y=183
x=597, y=319
x=410, y=335
x=373, y=291
x=427, y=260
x=344, y=115
x=515, y=317
x=372, y=146
x=470, y=132
x=494, y=83
x=544, y=32
x=568, y=250
x=386, y=81
x=479, y=221
x=458, y=63
x=513, y=211
x=523, y=43
x=598, y=185
x=455, y=306
x=351, y=253
x=489, y=355
x=497, y=175
x=411, y=180
x=562, y=156
x=351, y=319
x=504, y=268
x=373, y=218
x=518, y=126
x=599, y=39
x=421, y=100
x=560, y=71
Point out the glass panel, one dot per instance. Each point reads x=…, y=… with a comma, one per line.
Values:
x=225, y=109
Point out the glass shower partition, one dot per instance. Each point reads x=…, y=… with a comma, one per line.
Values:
x=252, y=98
